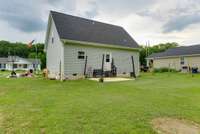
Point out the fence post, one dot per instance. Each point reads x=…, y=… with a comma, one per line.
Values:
x=133, y=67
x=102, y=70
x=85, y=66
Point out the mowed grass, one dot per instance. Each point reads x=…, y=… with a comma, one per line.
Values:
x=36, y=105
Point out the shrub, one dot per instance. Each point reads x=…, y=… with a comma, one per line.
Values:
x=164, y=69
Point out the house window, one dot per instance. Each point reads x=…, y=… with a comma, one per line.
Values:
x=107, y=57
x=182, y=60
x=25, y=66
x=81, y=55
x=2, y=65
x=14, y=65
x=52, y=40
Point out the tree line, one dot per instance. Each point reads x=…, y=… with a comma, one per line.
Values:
x=148, y=50
x=22, y=50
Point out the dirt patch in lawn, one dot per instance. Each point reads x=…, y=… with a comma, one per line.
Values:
x=175, y=126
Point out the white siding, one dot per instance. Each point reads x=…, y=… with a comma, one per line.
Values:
x=122, y=59
x=175, y=62
x=54, y=52
x=192, y=61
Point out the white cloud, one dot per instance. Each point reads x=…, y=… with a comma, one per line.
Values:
x=14, y=35
x=143, y=19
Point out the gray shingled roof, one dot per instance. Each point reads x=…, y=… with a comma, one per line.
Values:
x=3, y=60
x=81, y=29
x=178, y=51
x=8, y=59
x=34, y=61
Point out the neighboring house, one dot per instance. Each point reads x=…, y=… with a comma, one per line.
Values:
x=18, y=63
x=75, y=46
x=179, y=58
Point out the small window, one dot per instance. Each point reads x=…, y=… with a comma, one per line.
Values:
x=52, y=40
x=25, y=66
x=35, y=65
x=14, y=65
x=81, y=55
x=107, y=57
x=0, y=65
x=182, y=60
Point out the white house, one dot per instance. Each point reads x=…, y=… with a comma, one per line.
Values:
x=76, y=46
x=18, y=63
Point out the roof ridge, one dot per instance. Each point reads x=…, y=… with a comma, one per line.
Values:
x=177, y=51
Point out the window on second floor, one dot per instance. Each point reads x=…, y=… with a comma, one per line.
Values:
x=52, y=40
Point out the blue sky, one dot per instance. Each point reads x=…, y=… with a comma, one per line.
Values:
x=155, y=20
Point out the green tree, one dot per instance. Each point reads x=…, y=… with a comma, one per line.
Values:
x=21, y=49
x=41, y=56
x=145, y=51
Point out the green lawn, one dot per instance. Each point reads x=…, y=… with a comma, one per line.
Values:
x=35, y=105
